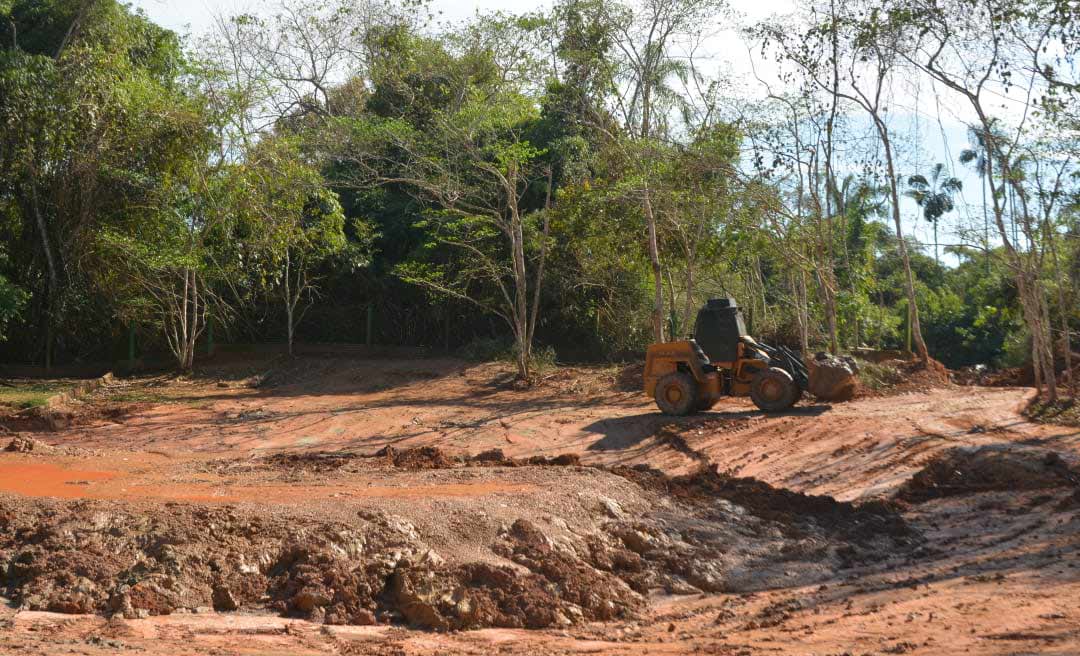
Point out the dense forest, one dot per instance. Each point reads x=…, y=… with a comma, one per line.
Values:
x=567, y=183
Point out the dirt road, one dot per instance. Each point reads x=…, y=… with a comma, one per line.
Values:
x=169, y=498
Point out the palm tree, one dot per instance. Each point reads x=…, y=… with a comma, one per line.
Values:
x=654, y=95
x=934, y=196
x=978, y=156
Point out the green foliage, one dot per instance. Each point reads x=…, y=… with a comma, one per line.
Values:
x=487, y=349
x=495, y=349
x=879, y=376
x=13, y=301
x=426, y=175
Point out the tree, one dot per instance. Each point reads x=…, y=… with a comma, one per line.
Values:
x=937, y=36
x=94, y=119
x=978, y=157
x=12, y=301
x=644, y=36
x=472, y=162
x=869, y=64
x=934, y=196
x=287, y=222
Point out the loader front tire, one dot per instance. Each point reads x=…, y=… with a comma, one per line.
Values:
x=676, y=394
x=774, y=390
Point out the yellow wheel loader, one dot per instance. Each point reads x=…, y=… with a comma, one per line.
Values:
x=721, y=359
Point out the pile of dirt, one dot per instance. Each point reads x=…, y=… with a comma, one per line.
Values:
x=966, y=470
x=796, y=512
x=99, y=557
x=984, y=376
x=905, y=376
x=25, y=444
x=702, y=533
x=932, y=373
x=317, y=461
x=631, y=378
x=22, y=443
x=408, y=458
x=424, y=457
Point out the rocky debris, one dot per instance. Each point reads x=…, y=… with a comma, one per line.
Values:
x=833, y=378
x=966, y=470
x=630, y=378
x=793, y=511
x=410, y=459
x=429, y=457
x=24, y=444
x=706, y=533
x=424, y=457
x=318, y=461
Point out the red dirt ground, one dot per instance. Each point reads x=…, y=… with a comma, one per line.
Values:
x=997, y=572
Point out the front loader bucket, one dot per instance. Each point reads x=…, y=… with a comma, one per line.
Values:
x=832, y=378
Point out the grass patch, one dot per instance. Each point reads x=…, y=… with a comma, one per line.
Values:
x=1064, y=413
x=491, y=349
x=878, y=376
x=31, y=394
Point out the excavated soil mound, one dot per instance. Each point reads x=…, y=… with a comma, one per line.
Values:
x=409, y=459
x=630, y=378
x=924, y=376
x=424, y=457
x=863, y=523
x=24, y=444
x=966, y=470
x=906, y=376
x=700, y=533
x=106, y=558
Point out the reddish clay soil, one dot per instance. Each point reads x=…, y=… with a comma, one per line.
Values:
x=431, y=506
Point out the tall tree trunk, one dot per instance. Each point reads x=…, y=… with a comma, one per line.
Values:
x=1063, y=311
x=829, y=284
x=53, y=285
x=937, y=258
x=1026, y=268
x=520, y=309
x=986, y=220
x=804, y=314
x=182, y=323
x=688, y=311
x=289, y=305
x=828, y=300
x=909, y=277
x=193, y=326
x=545, y=234
x=658, y=274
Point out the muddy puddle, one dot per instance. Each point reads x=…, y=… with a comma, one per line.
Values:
x=39, y=479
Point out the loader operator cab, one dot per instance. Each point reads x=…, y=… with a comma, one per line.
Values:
x=721, y=359
x=719, y=329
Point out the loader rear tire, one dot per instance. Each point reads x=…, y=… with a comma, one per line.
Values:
x=774, y=390
x=676, y=394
